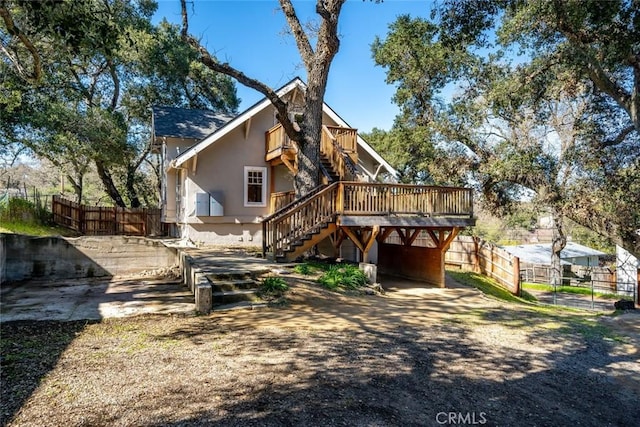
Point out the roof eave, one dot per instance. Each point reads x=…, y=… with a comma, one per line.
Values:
x=232, y=124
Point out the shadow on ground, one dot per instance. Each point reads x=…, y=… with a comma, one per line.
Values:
x=29, y=350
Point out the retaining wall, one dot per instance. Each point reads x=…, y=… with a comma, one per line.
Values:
x=28, y=257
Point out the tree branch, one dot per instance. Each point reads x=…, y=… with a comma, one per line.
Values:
x=597, y=74
x=224, y=68
x=302, y=41
x=619, y=139
x=329, y=10
x=116, y=84
x=15, y=31
x=88, y=93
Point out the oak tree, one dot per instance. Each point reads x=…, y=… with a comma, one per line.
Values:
x=536, y=96
x=317, y=62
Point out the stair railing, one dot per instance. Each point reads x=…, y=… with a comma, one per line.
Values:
x=339, y=159
x=299, y=219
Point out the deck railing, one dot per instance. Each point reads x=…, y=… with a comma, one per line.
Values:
x=276, y=138
x=347, y=139
x=338, y=144
x=294, y=221
x=297, y=219
x=280, y=200
x=400, y=199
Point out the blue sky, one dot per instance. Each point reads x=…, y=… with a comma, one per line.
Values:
x=250, y=36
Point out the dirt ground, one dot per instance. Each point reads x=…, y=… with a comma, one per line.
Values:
x=414, y=357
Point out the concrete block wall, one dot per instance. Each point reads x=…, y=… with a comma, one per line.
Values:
x=197, y=282
x=54, y=258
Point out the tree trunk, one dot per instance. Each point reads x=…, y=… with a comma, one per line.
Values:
x=109, y=185
x=308, y=176
x=77, y=186
x=317, y=63
x=559, y=241
x=131, y=189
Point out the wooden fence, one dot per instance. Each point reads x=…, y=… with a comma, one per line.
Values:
x=101, y=220
x=474, y=254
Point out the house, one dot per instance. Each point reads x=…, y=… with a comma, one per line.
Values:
x=572, y=254
x=229, y=180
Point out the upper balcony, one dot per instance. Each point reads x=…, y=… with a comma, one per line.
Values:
x=336, y=143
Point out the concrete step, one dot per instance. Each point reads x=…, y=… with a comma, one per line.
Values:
x=228, y=297
x=234, y=285
x=240, y=305
x=224, y=274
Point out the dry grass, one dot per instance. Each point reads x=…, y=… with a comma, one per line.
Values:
x=375, y=364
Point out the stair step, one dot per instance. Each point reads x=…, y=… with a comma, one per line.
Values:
x=240, y=305
x=224, y=274
x=234, y=285
x=227, y=297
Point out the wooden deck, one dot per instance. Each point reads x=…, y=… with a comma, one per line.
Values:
x=364, y=212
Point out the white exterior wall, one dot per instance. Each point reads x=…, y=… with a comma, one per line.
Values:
x=221, y=168
x=172, y=147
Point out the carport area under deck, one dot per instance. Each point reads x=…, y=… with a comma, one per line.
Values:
x=412, y=247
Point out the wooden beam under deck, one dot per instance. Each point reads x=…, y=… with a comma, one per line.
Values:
x=405, y=221
x=363, y=238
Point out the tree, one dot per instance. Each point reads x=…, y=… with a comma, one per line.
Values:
x=317, y=61
x=547, y=100
x=97, y=68
x=403, y=149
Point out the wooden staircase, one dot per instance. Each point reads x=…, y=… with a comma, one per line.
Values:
x=300, y=225
x=328, y=170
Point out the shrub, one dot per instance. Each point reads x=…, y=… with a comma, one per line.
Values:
x=273, y=285
x=346, y=276
x=304, y=269
x=18, y=209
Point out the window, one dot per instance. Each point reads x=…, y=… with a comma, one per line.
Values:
x=255, y=186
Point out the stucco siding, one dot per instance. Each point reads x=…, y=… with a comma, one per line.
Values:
x=169, y=207
x=283, y=179
x=220, y=170
x=177, y=146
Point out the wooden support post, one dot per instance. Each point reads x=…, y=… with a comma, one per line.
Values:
x=292, y=166
x=443, y=244
x=354, y=237
x=403, y=237
x=340, y=199
x=436, y=240
x=452, y=235
x=516, y=276
x=363, y=239
x=372, y=238
x=340, y=236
